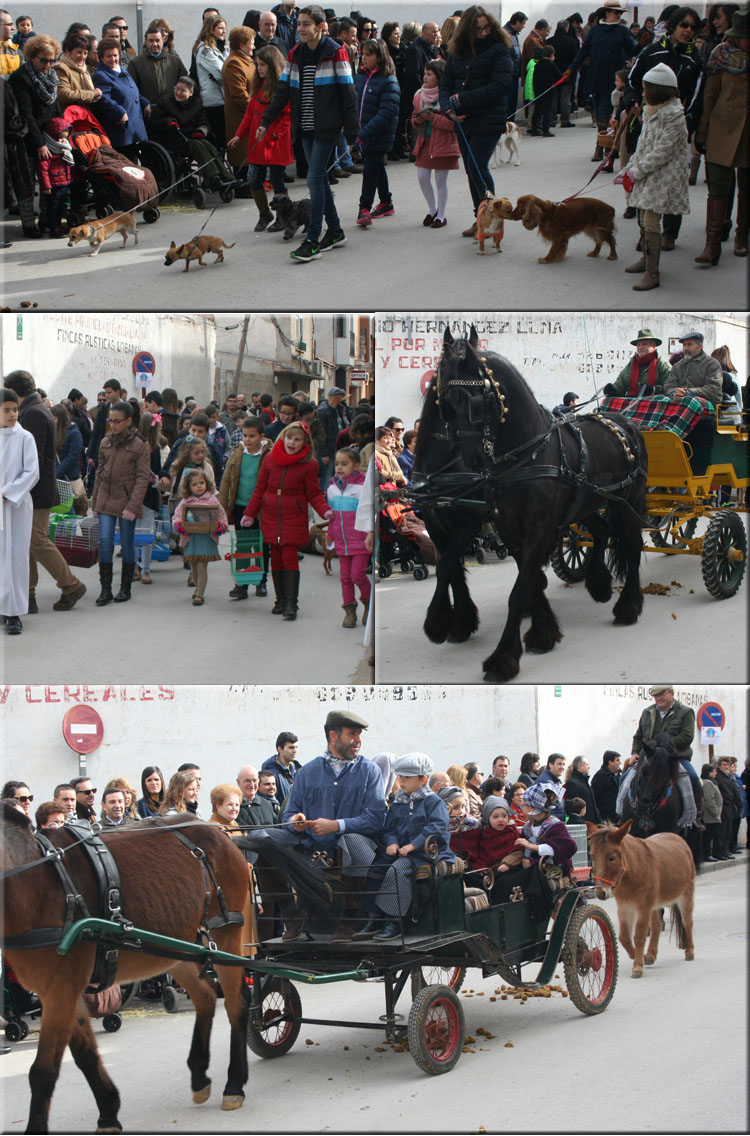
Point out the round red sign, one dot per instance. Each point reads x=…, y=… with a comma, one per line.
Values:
x=83, y=729
x=425, y=381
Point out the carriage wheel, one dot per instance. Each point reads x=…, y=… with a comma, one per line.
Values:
x=724, y=555
x=590, y=959
x=436, y=1029
x=154, y=157
x=569, y=556
x=450, y=976
x=664, y=538
x=279, y=1024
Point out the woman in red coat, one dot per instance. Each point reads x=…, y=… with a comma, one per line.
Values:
x=287, y=483
x=274, y=149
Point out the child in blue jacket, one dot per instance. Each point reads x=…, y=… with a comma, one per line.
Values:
x=378, y=99
x=416, y=818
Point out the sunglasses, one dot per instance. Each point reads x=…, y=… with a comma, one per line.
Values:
x=686, y=24
x=88, y=792
x=25, y=800
x=47, y=60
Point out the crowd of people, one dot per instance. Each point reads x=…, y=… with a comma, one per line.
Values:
x=340, y=96
x=258, y=466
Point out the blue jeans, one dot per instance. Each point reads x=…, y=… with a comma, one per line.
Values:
x=318, y=156
x=374, y=177
x=482, y=147
x=343, y=155
x=107, y=523
x=691, y=772
x=256, y=175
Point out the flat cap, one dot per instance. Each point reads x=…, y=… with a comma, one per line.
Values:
x=659, y=690
x=692, y=335
x=336, y=390
x=338, y=718
x=413, y=765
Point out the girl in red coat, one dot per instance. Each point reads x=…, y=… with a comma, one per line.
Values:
x=275, y=147
x=436, y=147
x=287, y=483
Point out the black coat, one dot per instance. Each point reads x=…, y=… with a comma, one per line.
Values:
x=604, y=786
x=416, y=56
x=566, y=47
x=98, y=432
x=29, y=105
x=260, y=811
x=577, y=785
x=38, y=419
x=482, y=81
x=190, y=116
x=82, y=421
x=687, y=66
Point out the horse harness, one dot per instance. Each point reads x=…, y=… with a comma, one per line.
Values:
x=107, y=877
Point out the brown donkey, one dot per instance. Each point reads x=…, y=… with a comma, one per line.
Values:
x=644, y=876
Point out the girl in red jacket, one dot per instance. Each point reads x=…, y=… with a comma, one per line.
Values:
x=436, y=147
x=287, y=483
x=274, y=149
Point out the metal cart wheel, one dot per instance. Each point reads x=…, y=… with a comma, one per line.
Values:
x=111, y=1022
x=664, y=538
x=279, y=1025
x=450, y=976
x=724, y=555
x=436, y=1029
x=590, y=959
x=569, y=557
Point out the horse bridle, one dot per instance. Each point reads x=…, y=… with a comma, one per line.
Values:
x=612, y=883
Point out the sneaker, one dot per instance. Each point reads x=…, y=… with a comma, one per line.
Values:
x=383, y=209
x=363, y=218
x=308, y=250
x=332, y=240
x=13, y=625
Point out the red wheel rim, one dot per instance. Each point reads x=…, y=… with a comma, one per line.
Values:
x=441, y=1030
x=274, y=1028
x=596, y=963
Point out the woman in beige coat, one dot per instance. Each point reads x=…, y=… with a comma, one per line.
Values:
x=123, y=473
x=724, y=137
x=237, y=76
x=75, y=85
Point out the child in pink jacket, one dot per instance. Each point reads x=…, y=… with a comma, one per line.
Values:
x=343, y=494
x=436, y=148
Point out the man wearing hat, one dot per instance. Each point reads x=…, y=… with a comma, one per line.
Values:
x=696, y=373
x=333, y=417
x=667, y=715
x=334, y=810
x=417, y=831
x=645, y=374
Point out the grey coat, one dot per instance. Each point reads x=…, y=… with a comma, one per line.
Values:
x=661, y=162
x=701, y=376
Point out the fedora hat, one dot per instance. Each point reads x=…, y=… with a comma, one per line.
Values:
x=740, y=25
x=645, y=333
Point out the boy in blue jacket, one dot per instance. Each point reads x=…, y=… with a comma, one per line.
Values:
x=417, y=818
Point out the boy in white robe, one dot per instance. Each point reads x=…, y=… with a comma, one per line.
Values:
x=19, y=473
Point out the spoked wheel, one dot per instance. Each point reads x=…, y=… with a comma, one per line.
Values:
x=450, y=976
x=154, y=157
x=436, y=1029
x=570, y=556
x=590, y=959
x=664, y=537
x=724, y=555
x=275, y=1031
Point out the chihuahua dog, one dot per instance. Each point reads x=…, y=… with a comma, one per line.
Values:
x=96, y=232
x=196, y=250
x=491, y=216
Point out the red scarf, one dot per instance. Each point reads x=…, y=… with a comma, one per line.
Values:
x=635, y=371
x=281, y=457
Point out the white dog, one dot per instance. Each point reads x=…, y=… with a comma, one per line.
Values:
x=509, y=141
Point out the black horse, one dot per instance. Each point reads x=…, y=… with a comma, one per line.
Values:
x=653, y=800
x=487, y=448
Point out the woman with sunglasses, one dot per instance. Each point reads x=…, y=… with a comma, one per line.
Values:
x=19, y=792
x=35, y=85
x=678, y=50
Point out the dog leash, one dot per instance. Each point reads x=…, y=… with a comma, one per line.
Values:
x=156, y=196
x=195, y=238
x=604, y=160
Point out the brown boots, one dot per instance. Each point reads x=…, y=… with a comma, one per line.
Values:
x=715, y=209
x=651, y=254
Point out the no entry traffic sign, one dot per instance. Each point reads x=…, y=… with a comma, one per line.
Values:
x=83, y=729
x=710, y=714
x=144, y=368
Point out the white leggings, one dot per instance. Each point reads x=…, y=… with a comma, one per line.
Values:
x=441, y=184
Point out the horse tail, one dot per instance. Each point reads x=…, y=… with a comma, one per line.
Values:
x=308, y=882
x=677, y=925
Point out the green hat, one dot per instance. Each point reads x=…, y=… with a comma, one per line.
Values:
x=646, y=333
x=338, y=718
x=740, y=28
x=659, y=690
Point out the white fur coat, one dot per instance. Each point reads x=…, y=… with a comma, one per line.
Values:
x=661, y=162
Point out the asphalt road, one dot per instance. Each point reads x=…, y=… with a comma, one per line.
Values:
x=682, y=629
x=668, y=1055
x=160, y=637
x=396, y=264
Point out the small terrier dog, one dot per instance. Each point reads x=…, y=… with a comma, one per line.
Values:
x=491, y=215
x=509, y=141
x=96, y=232
x=292, y=214
x=196, y=250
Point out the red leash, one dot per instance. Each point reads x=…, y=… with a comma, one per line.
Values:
x=604, y=161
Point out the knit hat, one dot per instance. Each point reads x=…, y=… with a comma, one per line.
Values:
x=490, y=805
x=536, y=795
x=450, y=793
x=661, y=76
x=55, y=127
x=413, y=765
x=645, y=333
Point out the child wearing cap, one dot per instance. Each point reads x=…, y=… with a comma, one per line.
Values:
x=544, y=835
x=495, y=844
x=460, y=819
x=417, y=831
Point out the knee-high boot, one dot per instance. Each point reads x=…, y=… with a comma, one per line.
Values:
x=260, y=198
x=650, y=279
x=639, y=265
x=715, y=210
x=277, y=575
x=126, y=579
x=291, y=593
x=741, y=223
x=105, y=578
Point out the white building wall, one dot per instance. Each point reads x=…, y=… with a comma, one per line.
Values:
x=554, y=351
x=222, y=727
x=64, y=350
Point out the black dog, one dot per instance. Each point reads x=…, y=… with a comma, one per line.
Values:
x=292, y=214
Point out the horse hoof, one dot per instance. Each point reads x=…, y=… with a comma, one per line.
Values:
x=230, y=1103
x=637, y=973
x=202, y=1095
x=650, y=960
x=689, y=956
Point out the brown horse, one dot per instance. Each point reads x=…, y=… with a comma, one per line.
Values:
x=164, y=891
x=644, y=876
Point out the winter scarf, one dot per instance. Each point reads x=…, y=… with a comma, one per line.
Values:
x=121, y=439
x=62, y=149
x=280, y=456
x=417, y=795
x=45, y=86
x=729, y=56
x=428, y=100
x=635, y=370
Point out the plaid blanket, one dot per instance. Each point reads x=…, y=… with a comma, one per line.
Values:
x=659, y=412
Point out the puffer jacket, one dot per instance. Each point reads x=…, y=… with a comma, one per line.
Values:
x=209, y=63
x=123, y=474
x=69, y=458
x=662, y=160
x=335, y=102
x=284, y=492
x=343, y=497
x=482, y=82
x=275, y=147
x=379, y=98
x=687, y=65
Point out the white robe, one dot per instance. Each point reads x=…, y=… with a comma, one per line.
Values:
x=19, y=473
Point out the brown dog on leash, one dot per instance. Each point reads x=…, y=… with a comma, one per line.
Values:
x=96, y=232
x=558, y=223
x=196, y=250
x=491, y=215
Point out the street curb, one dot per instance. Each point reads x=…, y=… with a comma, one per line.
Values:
x=740, y=859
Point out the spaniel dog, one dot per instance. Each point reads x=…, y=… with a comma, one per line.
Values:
x=558, y=223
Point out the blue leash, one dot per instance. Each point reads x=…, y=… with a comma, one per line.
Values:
x=460, y=128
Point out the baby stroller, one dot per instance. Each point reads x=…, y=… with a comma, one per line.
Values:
x=487, y=540
x=18, y=1005
x=187, y=176
x=105, y=181
x=402, y=541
